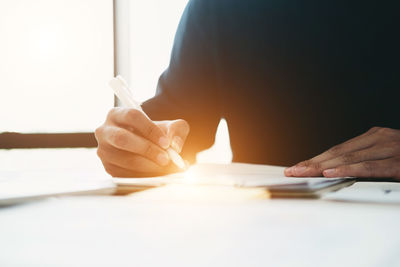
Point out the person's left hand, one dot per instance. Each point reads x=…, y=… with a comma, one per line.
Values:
x=375, y=153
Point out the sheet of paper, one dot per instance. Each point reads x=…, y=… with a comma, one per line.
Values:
x=368, y=192
x=235, y=174
x=21, y=186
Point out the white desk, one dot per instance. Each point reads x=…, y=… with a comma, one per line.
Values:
x=156, y=228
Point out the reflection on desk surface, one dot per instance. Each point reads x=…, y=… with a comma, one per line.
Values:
x=141, y=231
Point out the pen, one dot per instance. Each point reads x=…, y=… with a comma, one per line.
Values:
x=122, y=91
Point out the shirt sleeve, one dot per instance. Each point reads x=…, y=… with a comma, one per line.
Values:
x=188, y=88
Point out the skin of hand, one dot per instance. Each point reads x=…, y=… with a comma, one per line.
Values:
x=375, y=153
x=132, y=145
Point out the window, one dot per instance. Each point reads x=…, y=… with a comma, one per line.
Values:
x=56, y=58
x=58, y=55
x=152, y=27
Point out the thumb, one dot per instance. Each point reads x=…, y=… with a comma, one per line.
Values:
x=177, y=133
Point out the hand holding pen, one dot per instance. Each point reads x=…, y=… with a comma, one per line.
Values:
x=132, y=145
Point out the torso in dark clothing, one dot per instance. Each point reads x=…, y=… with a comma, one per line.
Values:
x=291, y=78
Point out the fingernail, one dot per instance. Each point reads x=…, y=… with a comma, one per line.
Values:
x=177, y=144
x=288, y=171
x=297, y=171
x=329, y=172
x=162, y=159
x=163, y=142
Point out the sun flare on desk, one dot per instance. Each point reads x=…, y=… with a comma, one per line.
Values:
x=192, y=193
x=191, y=176
x=202, y=183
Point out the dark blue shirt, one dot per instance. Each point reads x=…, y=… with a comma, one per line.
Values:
x=291, y=78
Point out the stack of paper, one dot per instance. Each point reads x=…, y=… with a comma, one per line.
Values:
x=235, y=174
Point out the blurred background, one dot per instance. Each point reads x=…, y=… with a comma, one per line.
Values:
x=57, y=56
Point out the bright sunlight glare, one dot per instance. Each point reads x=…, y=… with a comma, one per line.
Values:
x=57, y=56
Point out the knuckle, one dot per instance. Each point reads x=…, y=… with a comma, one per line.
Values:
x=348, y=158
x=132, y=114
x=112, y=113
x=336, y=150
x=100, y=153
x=186, y=127
x=152, y=132
x=315, y=165
x=180, y=126
x=343, y=169
x=385, y=131
x=150, y=151
x=305, y=163
x=98, y=132
x=119, y=138
x=311, y=164
x=374, y=129
x=184, y=124
x=369, y=166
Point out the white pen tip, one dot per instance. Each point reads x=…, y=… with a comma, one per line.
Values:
x=176, y=158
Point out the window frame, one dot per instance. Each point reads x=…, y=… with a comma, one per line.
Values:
x=12, y=140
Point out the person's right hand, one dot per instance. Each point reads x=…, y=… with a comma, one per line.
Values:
x=132, y=145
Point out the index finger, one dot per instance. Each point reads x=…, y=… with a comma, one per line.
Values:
x=386, y=168
x=177, y=132
x=312, y=166
x=357, y=143
x=130, y=118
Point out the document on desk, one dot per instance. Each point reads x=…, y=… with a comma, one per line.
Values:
x=240, y=175
x=22, y=186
